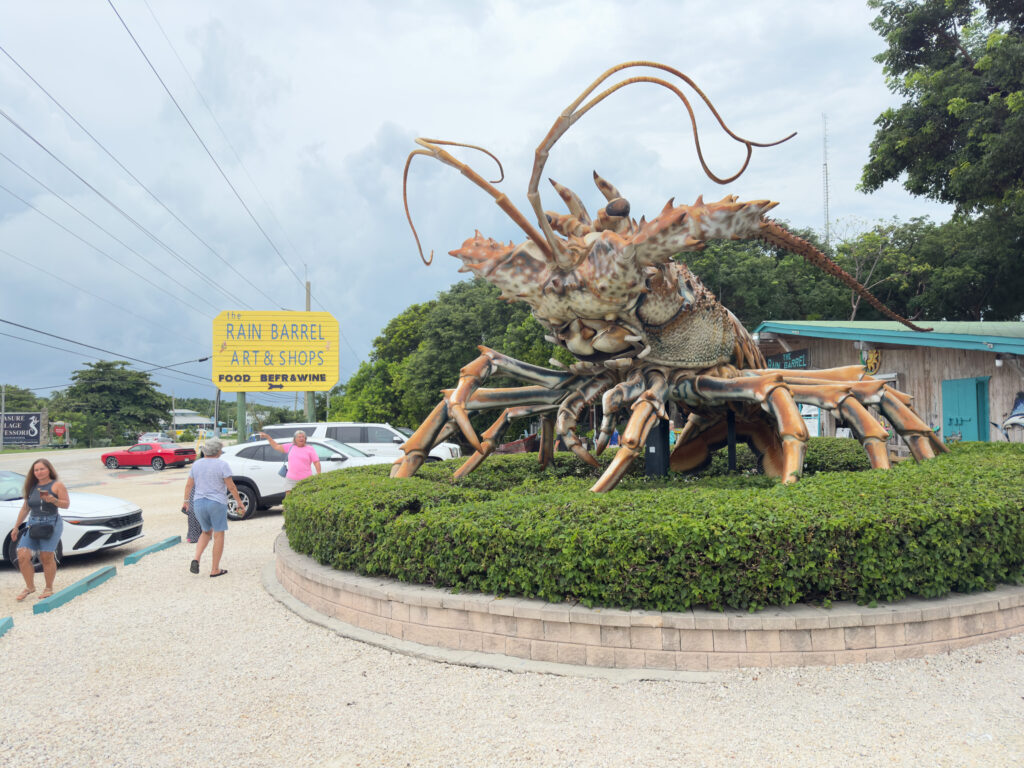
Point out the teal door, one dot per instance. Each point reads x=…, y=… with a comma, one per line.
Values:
x=965, y=409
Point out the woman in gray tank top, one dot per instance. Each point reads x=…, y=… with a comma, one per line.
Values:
x=44, y=497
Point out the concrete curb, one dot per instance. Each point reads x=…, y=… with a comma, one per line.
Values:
x=695, y=640
x=81, y=586
x=134, y=557
x=6, y=623
x=476, y=659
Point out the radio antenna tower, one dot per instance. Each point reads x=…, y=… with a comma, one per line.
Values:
x=824, y=174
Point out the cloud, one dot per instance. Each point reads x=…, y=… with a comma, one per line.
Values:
x=322, y=101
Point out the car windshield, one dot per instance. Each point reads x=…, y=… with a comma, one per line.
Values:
x=405, y=431
x=343, y=448
x=11, y=484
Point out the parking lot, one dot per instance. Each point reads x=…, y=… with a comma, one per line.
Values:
x=158, y=667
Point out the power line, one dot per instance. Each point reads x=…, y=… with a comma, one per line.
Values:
x=115, y=206
x=92, y=221
x=104, y=253
x=101, y=349
x=83, y=290
x=37, y=343
x=132, y=175
x=203, y=144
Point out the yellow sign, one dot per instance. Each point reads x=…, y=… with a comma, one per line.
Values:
x=275, y=351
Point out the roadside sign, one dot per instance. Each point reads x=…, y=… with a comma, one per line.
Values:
x=275, y=351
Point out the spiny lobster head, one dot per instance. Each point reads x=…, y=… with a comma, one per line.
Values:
x=621, y=271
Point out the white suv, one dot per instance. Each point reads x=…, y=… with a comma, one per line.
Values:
x=374, y=439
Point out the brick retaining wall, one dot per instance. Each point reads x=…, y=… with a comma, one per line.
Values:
x=798, y=635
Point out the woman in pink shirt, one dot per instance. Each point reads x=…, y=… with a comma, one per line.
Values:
x=301, y=458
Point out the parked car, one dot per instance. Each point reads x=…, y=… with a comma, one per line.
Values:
x=155, y=437
x=91, y=523
x=155, y=455
x=374, y=439
x=254, y=468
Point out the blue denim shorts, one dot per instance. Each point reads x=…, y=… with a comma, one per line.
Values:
x=42, y=545
x=212, y=515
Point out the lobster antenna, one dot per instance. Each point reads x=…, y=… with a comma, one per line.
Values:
x=432, y=148
x=574, y=112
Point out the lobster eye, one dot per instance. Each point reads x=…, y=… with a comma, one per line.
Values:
x=618, y=207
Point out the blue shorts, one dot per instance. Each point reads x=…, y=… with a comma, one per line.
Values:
x=212, y=515
x=42, y=545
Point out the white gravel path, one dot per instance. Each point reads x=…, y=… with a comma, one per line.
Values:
x=158, y=667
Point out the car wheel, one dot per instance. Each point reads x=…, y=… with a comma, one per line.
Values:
x=11, y=554
x=111, y=462
x=157, y=463
x=248, y=496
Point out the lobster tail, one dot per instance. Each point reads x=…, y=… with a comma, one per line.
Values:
x=776, y=235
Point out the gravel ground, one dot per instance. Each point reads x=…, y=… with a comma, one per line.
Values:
x=158, y=667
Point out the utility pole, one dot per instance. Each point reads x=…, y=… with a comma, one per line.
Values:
x=310, y=396
x=824, y=174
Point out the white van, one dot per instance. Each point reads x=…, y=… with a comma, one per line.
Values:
x=374, y=439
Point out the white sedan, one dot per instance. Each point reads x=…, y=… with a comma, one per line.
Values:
x=254, y=468
x=91, y=523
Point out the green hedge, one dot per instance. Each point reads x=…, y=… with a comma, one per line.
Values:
x=955, y=523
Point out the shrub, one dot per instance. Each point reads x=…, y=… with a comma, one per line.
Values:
x=955, y=523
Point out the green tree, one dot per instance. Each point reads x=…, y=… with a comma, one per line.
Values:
x=959, y=135
x=20, y=399
x=759, y=282
x=109, y=401
x=421, y=350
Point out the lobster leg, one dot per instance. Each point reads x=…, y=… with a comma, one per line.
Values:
x=846, y=401
x=646, y=411
x=569, y=412
x=493, y=436
x=489, y=363
x=452, y=410
x=422, y=440
x=821, y=390
x=920, y=439
x=612, y=401
x=771, y=392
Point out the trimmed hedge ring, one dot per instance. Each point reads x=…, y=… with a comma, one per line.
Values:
x=951, y=524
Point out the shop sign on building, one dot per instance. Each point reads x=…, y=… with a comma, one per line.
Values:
x=275, y=351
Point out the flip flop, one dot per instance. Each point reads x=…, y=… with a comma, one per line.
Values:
x=23, y=594
x=194, y=567
x=45, y=594
x=221, y=572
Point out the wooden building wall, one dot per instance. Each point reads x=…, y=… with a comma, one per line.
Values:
x=920, y=372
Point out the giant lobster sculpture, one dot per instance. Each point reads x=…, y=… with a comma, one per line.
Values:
x=644, y=329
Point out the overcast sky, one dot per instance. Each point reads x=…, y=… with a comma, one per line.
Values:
x=315, y=106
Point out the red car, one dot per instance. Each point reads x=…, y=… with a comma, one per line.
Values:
x=155, y=455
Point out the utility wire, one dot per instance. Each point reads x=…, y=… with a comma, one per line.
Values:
x=133, y=313
x=96, y=224
x=115, y=206
x=81, y=354
x=203, y=144
x=223, y=133
x=124, y=266
x=49, y=346
x=90, y=346
x=132, y=175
